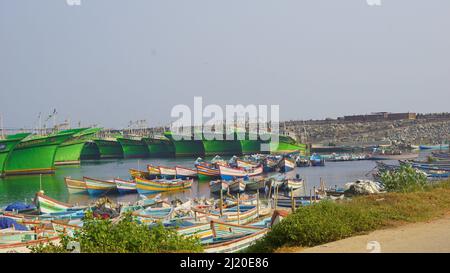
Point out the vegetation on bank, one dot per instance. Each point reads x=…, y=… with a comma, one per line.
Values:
x=329, y=221
x=125, y=236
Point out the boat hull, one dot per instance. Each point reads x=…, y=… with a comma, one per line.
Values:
x=287, y=165
x=96, y=187
x=35, y=156
x=6, y=147
x=134, y=148
x=109, y=148
x=75, y=186
x=69, y=152
x=50, y=205
x=222, y=147
x=144, y=186
x=160, y=147
x=125, y=187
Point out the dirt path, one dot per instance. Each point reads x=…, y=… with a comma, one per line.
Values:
x=432, y=236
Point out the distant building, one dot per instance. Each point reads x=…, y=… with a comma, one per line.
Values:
x=380, y=116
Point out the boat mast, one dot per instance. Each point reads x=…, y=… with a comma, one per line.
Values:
x=1, y=126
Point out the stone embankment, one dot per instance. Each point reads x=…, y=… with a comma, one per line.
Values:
x=413, y=132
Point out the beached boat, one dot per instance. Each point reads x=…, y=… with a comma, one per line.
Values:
x=237, y=185
x=97, y=187
x=125, y=186
x=229, y=173
x=150, y=215
x=219, y=237
x=255, y=184
x=287, y=202
x=41, y=238
x=246, y=164
x=46, y=204
x=184, y=173
x=295, y=184
x=167, y=172
x=287, y=165
x=236, y=215
x=75, y=185
x=216, y=186
x=158, y=185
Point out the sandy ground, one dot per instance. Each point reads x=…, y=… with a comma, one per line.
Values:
x=433, y=236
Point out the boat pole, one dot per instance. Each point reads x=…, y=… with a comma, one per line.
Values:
x=221, y=202
x=314, y=192
x=310, y=196
x=292, y=200
x=257, y=203
x=238, y=210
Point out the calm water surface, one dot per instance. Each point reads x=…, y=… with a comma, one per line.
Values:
x=23, y=188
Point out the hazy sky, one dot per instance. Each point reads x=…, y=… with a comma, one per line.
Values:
x=112, y=61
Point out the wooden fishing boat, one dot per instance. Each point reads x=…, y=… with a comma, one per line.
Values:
x=167, y=172
x=294, y=184
x=286, y=202
x=97, y=187
x=142, y=174
x=184, y=173
x=153, y=171
x=219, y=237
x=46, y=204
x=245, y=214
x=158, y=185
x=287, y=165
x=434, y=147
x=207, y=171
x=216, y=186
x=255, y=183
x=66, y=227
x=150, y=215
x=125, y=186
x=237, y=185
x=23, y=247
x=75, y=186
x=229, y=173
x=246, y=164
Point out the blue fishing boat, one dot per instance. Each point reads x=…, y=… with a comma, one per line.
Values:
x=317, y=160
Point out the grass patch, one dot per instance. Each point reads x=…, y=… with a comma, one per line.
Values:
x=329, y=221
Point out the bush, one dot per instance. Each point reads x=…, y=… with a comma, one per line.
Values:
x=103, y=236
x=317, y=224
x=405, y=179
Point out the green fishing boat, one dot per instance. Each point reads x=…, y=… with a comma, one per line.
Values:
x=90, y=151
x=35, y=154
x=287, y=144
x=221, y=146
x=187, y=147
x=7, y=146
x=109, y=148
x=133, y=147
x=160, y=146
x=69, y=152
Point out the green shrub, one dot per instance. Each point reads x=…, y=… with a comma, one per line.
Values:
x=405, y=179
x=317, y=224
x=103, y=236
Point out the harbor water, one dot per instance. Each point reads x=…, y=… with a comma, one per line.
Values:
x=23, y=188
